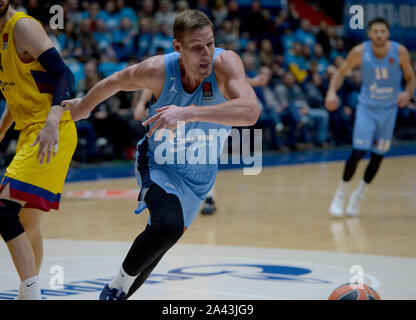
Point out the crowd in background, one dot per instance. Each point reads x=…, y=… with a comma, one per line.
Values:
x=291, y=60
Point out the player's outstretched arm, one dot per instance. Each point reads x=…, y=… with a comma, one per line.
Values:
x=147, y=74
x=139, y=107
x=240, y=109
x=353, y=59
x=408, y=75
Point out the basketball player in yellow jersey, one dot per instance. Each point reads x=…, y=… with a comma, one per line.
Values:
x=34, y=80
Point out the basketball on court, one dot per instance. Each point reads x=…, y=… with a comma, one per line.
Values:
x=348, y=291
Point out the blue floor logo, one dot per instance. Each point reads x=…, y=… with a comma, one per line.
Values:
x=259, y=272
x=249, y=271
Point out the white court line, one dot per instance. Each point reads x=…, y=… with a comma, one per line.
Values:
x=321, y=190
x=205, y=291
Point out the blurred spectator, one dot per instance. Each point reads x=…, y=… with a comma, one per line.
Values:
x=18, y=5
x=280, y=23
x=68, y=41
x=296, y=62
x=288, y=40
x=86, y=133
x=165, y=14
x=92, y=13
x=162, y=40
x=109, y=15
x=251, y=49
x=102, y=36
x=255, y=22
x=72, y=12
x=309, y=118
x=123, y=40
x=314, y=92
x=219, y=12
x=322, y=61
x=323, y=37
x=266, y=54
x=293, y=17
x=89, y=47
x=233, y=10
x=275, y=115
x=205, y=7
x=147, y=10
x=144, y=39
x=181, y=6
x=339, y=49
x=227, y=34
x=33, y=9
x=124, y=11
x=304, y=35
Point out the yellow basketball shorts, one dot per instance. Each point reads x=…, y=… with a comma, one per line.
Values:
x=40, y=185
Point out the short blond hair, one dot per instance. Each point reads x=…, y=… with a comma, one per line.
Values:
x=190, y=20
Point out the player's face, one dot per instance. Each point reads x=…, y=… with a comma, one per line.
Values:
x=197, y=50
x=379, y=34
x=4, y=6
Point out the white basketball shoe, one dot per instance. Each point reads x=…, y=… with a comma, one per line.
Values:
x=337, y=206
x=353, y=208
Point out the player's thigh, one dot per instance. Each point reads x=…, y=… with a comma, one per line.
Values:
x=364, y=130
x=385, y=130
x=30, y=219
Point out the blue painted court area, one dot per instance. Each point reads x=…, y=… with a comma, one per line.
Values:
x=125, y=170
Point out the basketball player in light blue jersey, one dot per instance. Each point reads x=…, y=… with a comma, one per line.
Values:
x=383, y=65
x=200, y=91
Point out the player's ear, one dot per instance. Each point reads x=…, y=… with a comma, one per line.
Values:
x=177, y=46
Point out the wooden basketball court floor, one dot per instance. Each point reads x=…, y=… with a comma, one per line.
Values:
x=278, y=217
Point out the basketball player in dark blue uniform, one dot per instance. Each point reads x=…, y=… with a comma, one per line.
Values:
x=383, y=65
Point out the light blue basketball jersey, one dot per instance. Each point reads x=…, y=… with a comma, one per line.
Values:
x=377, y=102
x=185, y=165
x=381, y=77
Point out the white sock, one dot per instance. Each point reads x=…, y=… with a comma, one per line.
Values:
x=361, y=187
x=342, y=185
x=20, y=295
x=122, y=281
x=31, y=289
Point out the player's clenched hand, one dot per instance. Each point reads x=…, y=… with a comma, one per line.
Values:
x=331, y=101
x=76, y=108
x=169, y=117
x=48, y=142
x=403, y=99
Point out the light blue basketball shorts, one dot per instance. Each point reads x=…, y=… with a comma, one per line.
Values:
x=373, y=128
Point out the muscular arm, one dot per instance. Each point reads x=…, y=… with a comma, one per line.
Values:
x=31, y=41
x=139, y=103
x=353, y=59
x=409, y=76
x=5, y=122
x=242, y=108
x=148, y=74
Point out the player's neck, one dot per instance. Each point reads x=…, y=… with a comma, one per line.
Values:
x=6, y=17
x=380, y=52
x=189, y=82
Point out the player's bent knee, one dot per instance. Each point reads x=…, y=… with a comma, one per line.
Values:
x=357, y=155
x=10, y=226
x=169, y=231
x=373, y=167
